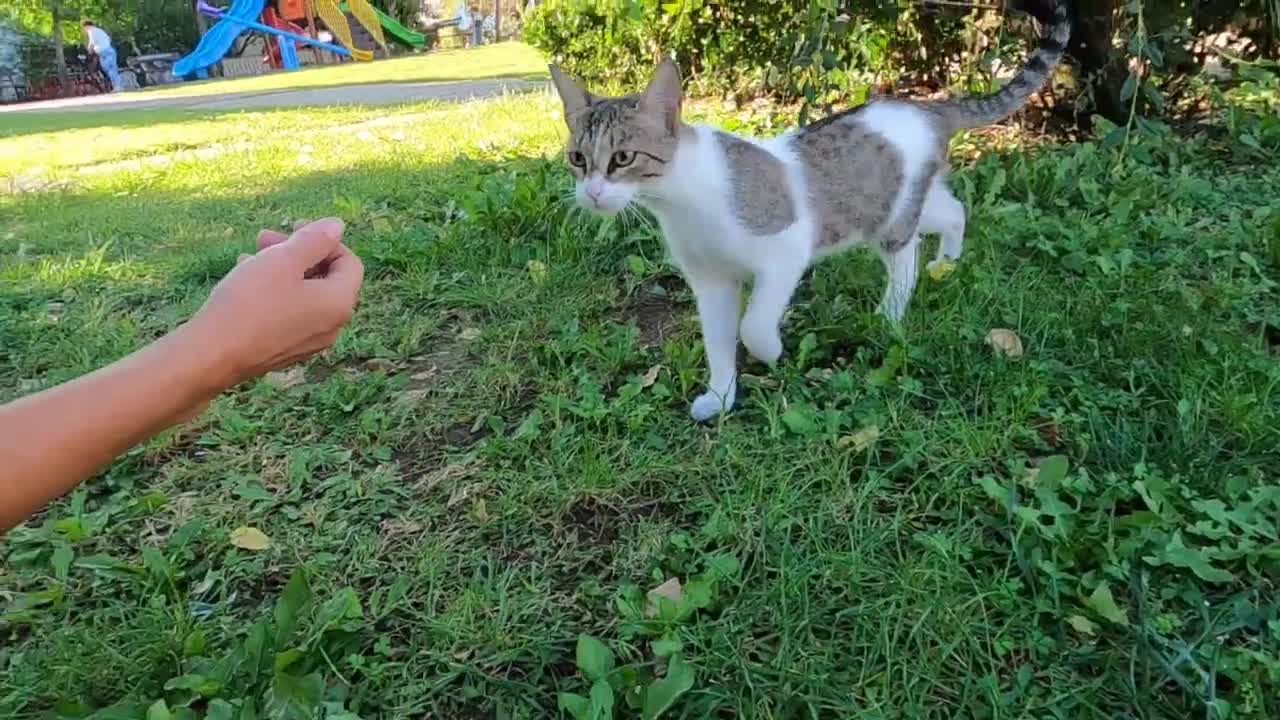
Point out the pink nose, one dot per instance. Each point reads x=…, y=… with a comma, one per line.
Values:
x=594, y=194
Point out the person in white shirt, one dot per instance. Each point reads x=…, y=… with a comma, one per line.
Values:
x=100, y=44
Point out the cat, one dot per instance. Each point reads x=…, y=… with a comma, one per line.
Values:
x=733, y=208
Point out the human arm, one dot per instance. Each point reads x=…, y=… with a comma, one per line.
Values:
x=286, y=303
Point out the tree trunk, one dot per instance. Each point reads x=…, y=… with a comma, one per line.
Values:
x=1102, y=69
x=59, y=49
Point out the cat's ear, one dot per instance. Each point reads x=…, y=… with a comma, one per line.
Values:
x=575, y=98
x=664, y=94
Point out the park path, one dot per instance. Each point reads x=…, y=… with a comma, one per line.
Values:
x=391, y=93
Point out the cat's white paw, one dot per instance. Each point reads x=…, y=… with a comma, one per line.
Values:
x=762, y=341
x=711, y=404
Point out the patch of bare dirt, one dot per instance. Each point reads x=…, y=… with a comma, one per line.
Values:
x=591, y=521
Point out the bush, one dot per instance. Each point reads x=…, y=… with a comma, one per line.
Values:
x=786, y=48
x=163, y=26
x=827, y=49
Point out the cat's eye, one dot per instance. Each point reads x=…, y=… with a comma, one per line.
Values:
x=577, y=159
x=622, y=158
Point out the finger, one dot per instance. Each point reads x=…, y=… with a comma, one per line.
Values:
x=314, y=242
x=268, y=238
x=345, y=273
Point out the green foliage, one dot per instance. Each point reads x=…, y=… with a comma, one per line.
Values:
x=154, y=25
x=792, y=49
x=161, y=26
x=826, y=51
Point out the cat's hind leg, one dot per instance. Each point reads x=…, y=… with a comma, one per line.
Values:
x=719, y=305
x=903, y=267
x=943, y=214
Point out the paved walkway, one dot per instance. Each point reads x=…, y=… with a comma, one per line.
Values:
x=369, y=94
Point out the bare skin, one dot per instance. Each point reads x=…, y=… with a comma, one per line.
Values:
x=277, y=307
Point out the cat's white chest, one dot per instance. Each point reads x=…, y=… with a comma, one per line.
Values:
x=704, y=239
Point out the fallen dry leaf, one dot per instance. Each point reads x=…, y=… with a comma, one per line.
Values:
x=425, y=374
x=1006, y=342
x=286, y=379
x=469, y=334
x=249, y=538
x=412, y=396
x=861, y=440
x=670, y=590
x=380, y=364
x=650, y=377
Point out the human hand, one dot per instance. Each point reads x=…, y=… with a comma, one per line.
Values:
x=282, y=305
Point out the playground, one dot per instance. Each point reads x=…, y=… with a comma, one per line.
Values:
x=253, y=38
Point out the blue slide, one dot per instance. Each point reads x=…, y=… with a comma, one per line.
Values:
x=218, y=40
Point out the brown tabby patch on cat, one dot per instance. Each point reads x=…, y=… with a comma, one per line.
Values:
x=761, y=196
x=854, y=175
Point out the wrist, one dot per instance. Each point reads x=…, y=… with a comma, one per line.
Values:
x=204, y=360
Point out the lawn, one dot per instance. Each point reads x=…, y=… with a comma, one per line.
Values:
x=495, y=464
x=509, y=59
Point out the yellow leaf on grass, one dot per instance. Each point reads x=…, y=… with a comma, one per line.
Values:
x=1006, y=342
x=469, y=334
x=249, y=538
x=537, y=271
x=861, y=440
x=939, y=270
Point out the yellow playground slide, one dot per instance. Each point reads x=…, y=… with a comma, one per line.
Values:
x=336, y=21
x=368, y=17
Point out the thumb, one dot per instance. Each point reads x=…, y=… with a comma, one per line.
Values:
x=314, y=242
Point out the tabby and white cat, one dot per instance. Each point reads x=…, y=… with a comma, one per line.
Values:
x=734, y=209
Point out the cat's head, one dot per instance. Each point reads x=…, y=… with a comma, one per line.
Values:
x=618, y=145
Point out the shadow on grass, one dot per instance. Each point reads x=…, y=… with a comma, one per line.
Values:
x=453, y=238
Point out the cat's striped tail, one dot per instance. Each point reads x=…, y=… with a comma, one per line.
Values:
x=972, y=112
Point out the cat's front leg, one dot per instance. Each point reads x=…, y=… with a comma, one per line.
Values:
x=775, y=283
x=719, y=302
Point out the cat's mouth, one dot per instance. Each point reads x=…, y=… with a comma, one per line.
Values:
x=605, y=201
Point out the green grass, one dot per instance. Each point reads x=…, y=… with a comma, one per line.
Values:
x=510, y=59
x=504, y=60
x=496, y=459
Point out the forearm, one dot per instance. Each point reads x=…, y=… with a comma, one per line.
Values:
x=54, y=440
